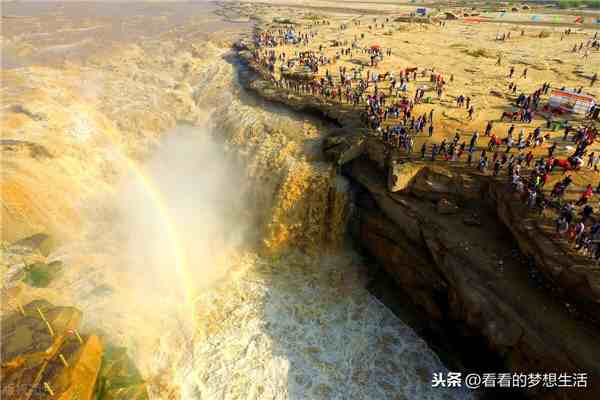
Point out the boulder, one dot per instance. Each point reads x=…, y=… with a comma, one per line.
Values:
x=436, y=182
x=342, y=149
x=30, y=342
x=41, y=345
x=119, y=377
x=401, y=175
x=41, y=274
x=375, y=151
x=78, y=380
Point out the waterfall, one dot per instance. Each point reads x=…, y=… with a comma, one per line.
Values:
x=213, y=250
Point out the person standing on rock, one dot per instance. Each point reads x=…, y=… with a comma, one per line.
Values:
x=461, y=149
x=442, y=148
x=409, y=145
x=471, y=111
x=474, y=139
x=482, y=164
x=434, y=151
x=511, y=129
x=488, y=128
x=589, y=192
x=497, y=168
x=562, y=226
x=551, y=150
x=528, y=158
x=590, y=162
x=531, y=199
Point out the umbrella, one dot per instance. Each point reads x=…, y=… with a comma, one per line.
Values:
x=375, y=46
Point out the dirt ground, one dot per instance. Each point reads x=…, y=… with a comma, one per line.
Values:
x=463, y=49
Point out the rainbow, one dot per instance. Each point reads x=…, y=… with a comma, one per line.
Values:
x=166, y=220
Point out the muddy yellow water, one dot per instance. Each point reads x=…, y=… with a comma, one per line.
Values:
x=199, y=226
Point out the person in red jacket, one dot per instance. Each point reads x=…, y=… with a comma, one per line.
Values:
x=589, y=192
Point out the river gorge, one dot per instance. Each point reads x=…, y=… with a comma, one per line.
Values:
x=196, y=225
x=177, y=224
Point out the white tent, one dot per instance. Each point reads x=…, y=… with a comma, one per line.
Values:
x=569, y=101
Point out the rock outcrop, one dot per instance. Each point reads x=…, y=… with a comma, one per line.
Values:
x=573, y=273
x=42, y=353
x=468, y=275
x=448, y=239
x=44, y=356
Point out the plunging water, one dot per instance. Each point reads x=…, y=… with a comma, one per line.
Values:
x=218, y=255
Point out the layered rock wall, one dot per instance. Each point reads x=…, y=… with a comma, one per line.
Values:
x=466, y=275
x=442, y=235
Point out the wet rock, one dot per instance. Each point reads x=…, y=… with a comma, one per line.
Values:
x=33, y=242
x=31, y=339
x=78, y=379
x=41, y=274
x=42, y=342
x=102, y=290
x=119, y=378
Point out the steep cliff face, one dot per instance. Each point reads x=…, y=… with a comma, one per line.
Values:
x=451, y=241
x=460, y=266
x=577, y=275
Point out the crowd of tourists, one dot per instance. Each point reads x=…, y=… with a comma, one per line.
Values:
x=389, y=111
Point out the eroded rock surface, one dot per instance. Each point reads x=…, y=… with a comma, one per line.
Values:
x=469, y=275
x=447, y=237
